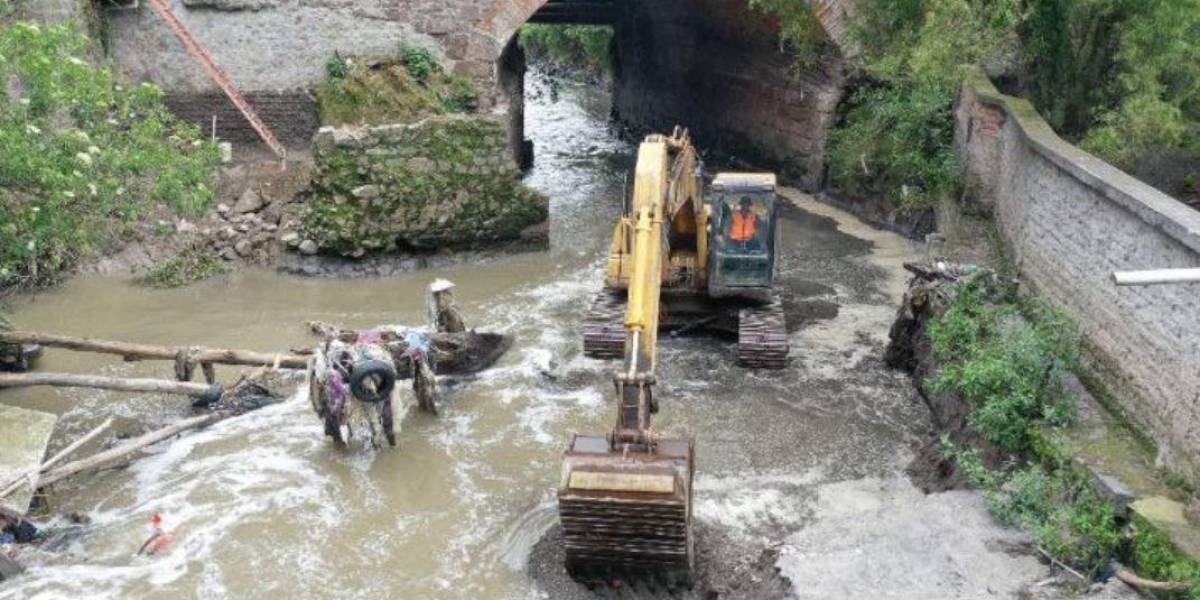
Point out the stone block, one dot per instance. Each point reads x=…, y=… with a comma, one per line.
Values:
x=24, y=436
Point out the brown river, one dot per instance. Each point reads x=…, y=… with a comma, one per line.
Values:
x=799, y=469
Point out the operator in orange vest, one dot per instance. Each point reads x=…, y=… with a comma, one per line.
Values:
x=745, y=223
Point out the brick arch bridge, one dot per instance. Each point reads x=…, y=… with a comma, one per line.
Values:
x=713, y=65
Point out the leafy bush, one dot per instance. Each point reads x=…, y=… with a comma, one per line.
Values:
x=84, y=157
x=1156, y=558
x=418, y=61
x=897, y=136
x=336, y=68
x=582, y=48
x=1010, y=369
x=1158, y=86
x=800, y=32
x=1056, y=504
x=196, y=262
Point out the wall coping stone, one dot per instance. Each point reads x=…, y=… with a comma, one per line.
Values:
x=1157, y=209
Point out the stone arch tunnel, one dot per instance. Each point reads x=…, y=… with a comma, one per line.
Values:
x=714, y=66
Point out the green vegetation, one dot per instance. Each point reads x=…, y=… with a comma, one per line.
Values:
x=1154, y=557
x=195, y=262
x=400, y=89
x=1120, y=76
x=443, y=182
x=1009, y=363
x=584, y=49
x=1008, y=367
x=897, y=136
x=84, y=157
x=800, y=30
x=1007, y=357
x=1156, y=94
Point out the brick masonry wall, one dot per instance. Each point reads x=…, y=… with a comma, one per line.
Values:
x=292, y=116
x=1070, y=220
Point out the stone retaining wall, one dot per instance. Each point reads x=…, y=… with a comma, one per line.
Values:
x=443, y=181
x=1070, y=220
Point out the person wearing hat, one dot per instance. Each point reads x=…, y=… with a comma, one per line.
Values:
x=446, y=318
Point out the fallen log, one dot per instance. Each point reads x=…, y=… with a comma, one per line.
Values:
x=135, y=352
x=1148, y=585
x=112, y=455
x=154, y=386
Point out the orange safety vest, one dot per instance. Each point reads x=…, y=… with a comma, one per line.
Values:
x=744, y=226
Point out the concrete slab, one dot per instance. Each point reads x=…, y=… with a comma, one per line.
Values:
x=1170, y=517
x=24, y=435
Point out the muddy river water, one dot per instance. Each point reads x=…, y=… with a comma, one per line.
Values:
x=799, y=472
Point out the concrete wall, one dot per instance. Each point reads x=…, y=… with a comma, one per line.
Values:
x=716, y=67
x=1070, y=220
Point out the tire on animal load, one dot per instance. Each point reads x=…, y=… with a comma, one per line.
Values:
x=381, y=372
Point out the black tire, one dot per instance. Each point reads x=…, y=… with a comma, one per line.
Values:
x=384, y=376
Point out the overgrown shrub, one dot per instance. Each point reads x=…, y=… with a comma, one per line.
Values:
x=586, y=49
x=193, y=263
x=84, y=157
x=1120, y=76
x=1158, y=87
x=1054, y=502
x=1156, y=558
x=400, y=89
x=800, y=31
x=418, y=61
x=1008, y=366
x=896, y=138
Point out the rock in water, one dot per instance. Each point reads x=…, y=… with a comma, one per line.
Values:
x=9, y=568
x=250, y=201
x=308, y=247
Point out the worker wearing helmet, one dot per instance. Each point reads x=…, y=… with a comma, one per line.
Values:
x=745, y=223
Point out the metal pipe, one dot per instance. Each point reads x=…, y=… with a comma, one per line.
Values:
x=1156, y=277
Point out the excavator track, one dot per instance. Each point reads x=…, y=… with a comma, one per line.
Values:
x=604, y=326
x=762, y=337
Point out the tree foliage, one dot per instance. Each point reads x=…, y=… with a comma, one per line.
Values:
x=800, y=31
x=1122, y=76
x=1157, y=95
x=84, y=157
x=582, y=48
x=897, y=136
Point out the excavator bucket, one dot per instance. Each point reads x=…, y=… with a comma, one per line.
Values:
x=627, y=514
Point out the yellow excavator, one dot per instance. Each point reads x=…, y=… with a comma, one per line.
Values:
x=625, y=499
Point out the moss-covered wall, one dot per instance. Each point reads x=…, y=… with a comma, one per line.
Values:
x=443, y=181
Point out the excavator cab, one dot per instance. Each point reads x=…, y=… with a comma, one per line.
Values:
x=742, y=247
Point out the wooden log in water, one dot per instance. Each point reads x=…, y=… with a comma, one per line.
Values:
x=134, y=352
x=152, y=386
x=119, y=453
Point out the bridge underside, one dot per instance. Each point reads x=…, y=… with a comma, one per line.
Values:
x=576, y=12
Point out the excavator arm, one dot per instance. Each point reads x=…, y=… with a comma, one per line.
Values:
x=625, y=499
